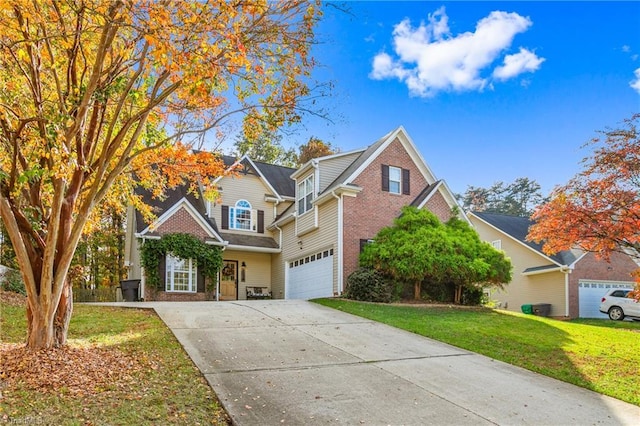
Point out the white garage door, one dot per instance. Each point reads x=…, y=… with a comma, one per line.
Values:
x=311, y=276
x=590, y=293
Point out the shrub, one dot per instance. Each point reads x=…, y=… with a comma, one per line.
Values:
x=368, y=285
x=10, y=280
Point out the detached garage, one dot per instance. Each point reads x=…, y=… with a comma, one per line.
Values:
x=310, y=277
x=590, y=293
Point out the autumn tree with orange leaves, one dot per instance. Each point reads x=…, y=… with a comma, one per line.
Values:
x=599, y=209
x=93, y=92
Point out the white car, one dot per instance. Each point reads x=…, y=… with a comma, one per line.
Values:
x=618, y=303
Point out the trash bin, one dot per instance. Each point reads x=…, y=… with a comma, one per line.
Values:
x=542, y=309
x=527, y=309
x=130, y=290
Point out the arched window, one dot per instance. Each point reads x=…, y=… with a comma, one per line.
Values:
x=240, y=216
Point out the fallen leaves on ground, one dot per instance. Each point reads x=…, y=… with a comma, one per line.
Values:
x=12, y=299
x=75, y=371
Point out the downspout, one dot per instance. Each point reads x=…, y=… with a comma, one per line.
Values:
x=340, y=241
x=142, y=274
x=566, y=271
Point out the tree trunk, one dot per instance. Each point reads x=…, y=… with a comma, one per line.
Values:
x=417, y=290
x=457, y=299
x=46, y=332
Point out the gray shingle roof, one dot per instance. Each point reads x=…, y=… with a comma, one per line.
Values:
x=518, y=228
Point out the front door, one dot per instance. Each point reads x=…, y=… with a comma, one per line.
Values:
x=229, y=280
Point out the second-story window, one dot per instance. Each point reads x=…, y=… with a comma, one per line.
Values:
x=240, y=216
x=305, y=195
x=395, y=178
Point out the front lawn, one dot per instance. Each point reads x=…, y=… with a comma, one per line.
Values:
x=600, y=355
x=120, y=367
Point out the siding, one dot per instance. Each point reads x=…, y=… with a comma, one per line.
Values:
x=332, y=168
x=244, y=187
x=524, y=289
x=257, y=272
x=308, y=221
x=323, y=238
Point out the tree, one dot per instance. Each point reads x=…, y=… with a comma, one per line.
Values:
x=518, y=198
x=314, y=148
x=598, y=210
x=266, y=147
x=419, y=248
x=94, y=92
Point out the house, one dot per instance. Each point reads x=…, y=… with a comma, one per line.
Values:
x=572, y=281
x=287, y=233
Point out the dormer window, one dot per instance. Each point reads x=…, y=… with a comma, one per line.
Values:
x=305, y=195
x=240, y=216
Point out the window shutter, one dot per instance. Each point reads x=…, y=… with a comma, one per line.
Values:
x=225, y=217
x=362, y=244
x=406, y=190
x=260, y=221
x=385, y=178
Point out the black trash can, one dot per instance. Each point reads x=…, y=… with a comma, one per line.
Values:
x=542, y=309
x=130, y=290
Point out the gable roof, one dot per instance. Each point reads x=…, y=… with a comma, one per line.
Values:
x=275, y=177
x=518, y=228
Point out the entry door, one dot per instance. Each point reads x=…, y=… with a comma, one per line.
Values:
x=229, y=280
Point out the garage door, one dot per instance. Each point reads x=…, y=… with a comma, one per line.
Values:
x=590, y=293
x=310, y=277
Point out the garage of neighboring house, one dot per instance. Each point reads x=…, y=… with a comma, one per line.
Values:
x=311, y=276
x=590, y=293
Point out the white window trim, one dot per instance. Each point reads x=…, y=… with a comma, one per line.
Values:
x=399, y=181
x=305, y=189
x=497, y=244
x=192, y=270
x=253, y=214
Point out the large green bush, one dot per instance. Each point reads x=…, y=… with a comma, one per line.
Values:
x=369, y=285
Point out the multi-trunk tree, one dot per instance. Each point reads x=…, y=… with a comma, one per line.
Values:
x=419, y=249
x=598, y=210
x=93, y=92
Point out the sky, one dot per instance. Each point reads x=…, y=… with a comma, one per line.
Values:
x=488, y=91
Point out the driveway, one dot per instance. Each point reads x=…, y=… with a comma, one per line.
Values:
x=277, y=362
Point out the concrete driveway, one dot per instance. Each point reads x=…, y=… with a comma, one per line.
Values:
x=277, y=362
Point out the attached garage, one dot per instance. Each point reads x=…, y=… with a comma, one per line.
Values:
x=590, y=293
x=310, y=277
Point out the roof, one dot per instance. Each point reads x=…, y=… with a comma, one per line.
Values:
x=279, y=177
x=171, y=197
x=249, y=240
x=425, y=193
x=518, y=228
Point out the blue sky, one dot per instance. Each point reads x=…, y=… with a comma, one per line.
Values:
x=488, y=91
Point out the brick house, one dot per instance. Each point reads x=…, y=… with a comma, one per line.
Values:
x=288, y=233
x=572, y=281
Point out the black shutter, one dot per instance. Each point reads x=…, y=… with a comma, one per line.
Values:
x=406, y=189
x=260, y=222
x=385, y=178
x=362, y=244
x=225, y=217
x=162, y=271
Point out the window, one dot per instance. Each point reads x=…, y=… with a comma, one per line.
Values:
x=395, y=178
x=497, y=244
x=240, y=216
x=305, y=195
x=181, y=275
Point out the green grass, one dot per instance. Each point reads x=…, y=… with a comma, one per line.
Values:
x=169, y=389
x=600, y=355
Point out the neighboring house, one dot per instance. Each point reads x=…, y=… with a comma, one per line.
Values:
x=294, y=234
x=572, y=281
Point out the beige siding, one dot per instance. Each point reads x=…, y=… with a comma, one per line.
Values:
x=257, y=271
x=323, y=238
x=331, y=168
x=525, y=289
x=244, y=187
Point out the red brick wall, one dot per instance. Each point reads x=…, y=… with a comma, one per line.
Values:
x=182, y=221
x=618, y=268
x=438, y=206
x=373, y=209
x=163, y=296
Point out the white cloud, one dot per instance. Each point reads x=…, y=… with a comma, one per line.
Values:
x=635, y=84
x=516, y=64
x=429, y=59
x=626, y=48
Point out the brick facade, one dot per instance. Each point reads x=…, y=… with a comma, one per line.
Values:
x=590, y=267
x=163, y=296
x=182, y=222
x=439, y=206
x=373, y=208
